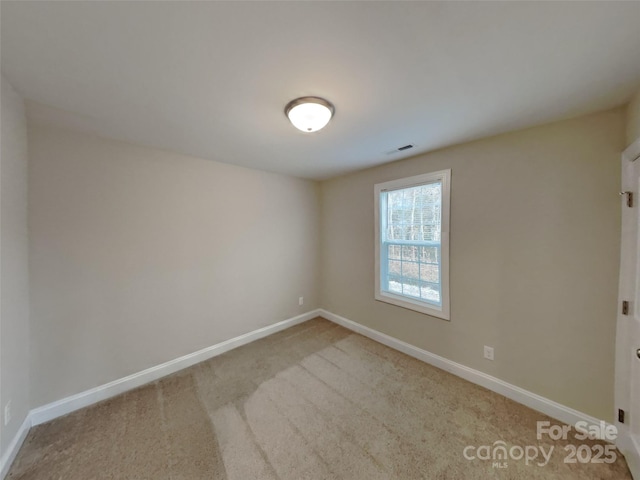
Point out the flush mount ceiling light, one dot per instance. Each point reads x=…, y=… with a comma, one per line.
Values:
x=309, y=114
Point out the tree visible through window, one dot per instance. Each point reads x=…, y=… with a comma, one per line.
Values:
x=410, y=250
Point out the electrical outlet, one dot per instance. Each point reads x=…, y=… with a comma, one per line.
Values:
x=301, y=301
x=7, y=413
x=488, y=353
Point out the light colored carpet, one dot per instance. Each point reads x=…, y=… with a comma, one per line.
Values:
x=312, y=402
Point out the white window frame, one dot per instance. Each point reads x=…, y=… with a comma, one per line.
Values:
x=441, y=311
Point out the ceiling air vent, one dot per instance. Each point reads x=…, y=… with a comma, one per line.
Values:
x=400, y=149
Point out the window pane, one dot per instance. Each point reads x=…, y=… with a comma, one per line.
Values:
x=430, y=273
x=395, y=251
x=395, y=268
x=395, y=286
x=411, y=270
x=430, y=292
x=411, y=289
x=410, y=253
x=429, y=255
x=414, y=213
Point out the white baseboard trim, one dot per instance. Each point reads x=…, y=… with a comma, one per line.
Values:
x=630, y=448
x=12, y=450
x=89, y=397
x=632, y=456
x=541, y=404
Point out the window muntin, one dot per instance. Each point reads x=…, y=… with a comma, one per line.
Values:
x=412, y=220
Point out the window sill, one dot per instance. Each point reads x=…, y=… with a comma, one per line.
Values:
x=416, y=305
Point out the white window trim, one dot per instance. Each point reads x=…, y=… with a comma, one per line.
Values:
x=399, y=300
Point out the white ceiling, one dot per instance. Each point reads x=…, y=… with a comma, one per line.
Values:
x=211, y=79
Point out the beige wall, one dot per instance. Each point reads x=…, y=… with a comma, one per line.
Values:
x=139, y=256
x=14, y=269
x=535, y=224
x=633, y=119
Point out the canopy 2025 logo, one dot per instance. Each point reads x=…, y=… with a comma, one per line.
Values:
x=499, y=453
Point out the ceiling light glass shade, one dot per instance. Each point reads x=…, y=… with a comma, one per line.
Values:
x=309, y=114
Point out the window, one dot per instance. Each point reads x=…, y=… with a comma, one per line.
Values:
x=412, y=243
